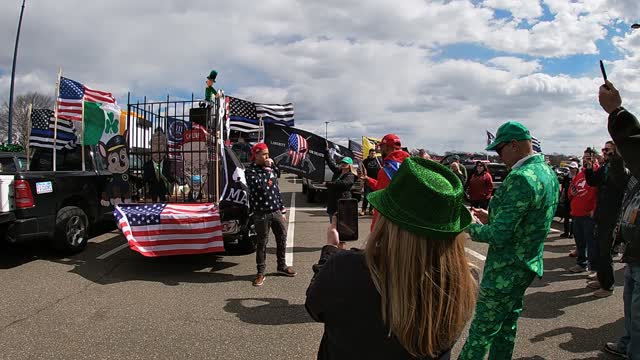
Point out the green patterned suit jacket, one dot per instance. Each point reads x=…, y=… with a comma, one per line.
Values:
x=520, y=216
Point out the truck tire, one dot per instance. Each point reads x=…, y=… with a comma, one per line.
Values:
x=71, y=234
x=311, y=195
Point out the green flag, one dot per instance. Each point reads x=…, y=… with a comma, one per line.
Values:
x=94, y=122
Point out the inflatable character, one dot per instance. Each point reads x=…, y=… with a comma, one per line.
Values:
x=196, y=163
x=116, y=154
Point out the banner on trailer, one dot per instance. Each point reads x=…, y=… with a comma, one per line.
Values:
x=301, y=152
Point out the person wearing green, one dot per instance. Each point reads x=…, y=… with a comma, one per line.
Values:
x=210, y=92
x=516, y=226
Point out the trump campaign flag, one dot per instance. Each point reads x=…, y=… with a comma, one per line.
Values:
x=171, y=229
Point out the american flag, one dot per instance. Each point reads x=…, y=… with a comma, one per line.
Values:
x=42, y=131
x=356, y=149
x=72, y=93
x=278, y=113
x=171, y=229
x=245, y=116
x=297, y=149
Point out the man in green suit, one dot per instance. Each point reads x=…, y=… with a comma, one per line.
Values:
x=210, y=92
x=516, y=226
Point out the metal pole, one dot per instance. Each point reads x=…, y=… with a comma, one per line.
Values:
x=326, y=127
x=13, y=77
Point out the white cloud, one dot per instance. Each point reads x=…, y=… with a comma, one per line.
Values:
x=515, y=65
x=368, y=67
x=521, y=9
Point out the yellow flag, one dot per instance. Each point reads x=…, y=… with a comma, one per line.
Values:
x=369, y=143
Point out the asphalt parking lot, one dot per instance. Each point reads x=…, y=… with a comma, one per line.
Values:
x=112, y=303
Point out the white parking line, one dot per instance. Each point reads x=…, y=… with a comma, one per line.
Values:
x=288, y=257
x=112, y=251
x=475, y=254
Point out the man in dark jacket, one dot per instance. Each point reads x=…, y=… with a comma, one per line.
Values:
x=606, y=214
x=371, y=168
x=625, y=132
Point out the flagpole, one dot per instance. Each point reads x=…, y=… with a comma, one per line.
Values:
x=218, y=148
x=82, y=132
x=29, y=110
x=55, y=119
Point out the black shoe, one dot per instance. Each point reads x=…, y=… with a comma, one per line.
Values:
x=612, y=348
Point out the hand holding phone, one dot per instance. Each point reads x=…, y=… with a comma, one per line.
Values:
x=604, y=74
x=347, y=224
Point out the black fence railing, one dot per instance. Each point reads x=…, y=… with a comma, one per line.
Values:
x=172, y=152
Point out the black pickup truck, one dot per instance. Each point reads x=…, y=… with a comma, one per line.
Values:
x=57, y=206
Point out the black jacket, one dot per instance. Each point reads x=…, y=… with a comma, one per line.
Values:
x=372, y=166
x=343, y=297
x=610, y=192
x=625, y=132
x=340, y=185
x=158, y=187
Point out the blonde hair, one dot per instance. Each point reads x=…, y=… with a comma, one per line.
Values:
x=427, y=290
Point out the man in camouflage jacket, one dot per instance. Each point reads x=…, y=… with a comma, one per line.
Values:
x=516, y=227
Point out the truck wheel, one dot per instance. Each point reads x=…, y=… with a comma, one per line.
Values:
x=311, y=195
x=305, y=188
x=71, y=233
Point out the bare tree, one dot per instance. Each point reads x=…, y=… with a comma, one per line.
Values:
x=20, y=106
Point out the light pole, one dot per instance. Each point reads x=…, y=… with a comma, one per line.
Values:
x=326, y=127
x=13, y=78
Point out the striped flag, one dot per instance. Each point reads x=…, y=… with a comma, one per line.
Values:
x=298, y=149
x=245, y=116
x=490, y=138
x=171, y=229
x=42, y=131
x=73, y=93
x=279, y=113
x=537, y=147
x=356, y=149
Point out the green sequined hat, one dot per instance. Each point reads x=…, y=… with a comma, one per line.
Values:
x=425, y=198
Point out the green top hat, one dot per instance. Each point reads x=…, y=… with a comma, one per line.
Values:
x=424, y=198
x=511, y=130
x=347, y=160
x=212, y=75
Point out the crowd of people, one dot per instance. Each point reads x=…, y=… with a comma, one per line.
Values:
x=410, y=292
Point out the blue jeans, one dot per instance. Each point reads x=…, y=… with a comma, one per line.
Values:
x=630, y=342
x=587, y=250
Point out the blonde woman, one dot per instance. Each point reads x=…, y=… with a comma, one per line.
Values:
x=410, y=292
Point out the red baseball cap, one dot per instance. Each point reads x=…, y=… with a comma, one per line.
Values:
x=391, y=140
x=257, y=147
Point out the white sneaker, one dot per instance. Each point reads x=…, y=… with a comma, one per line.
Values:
x=593, y=275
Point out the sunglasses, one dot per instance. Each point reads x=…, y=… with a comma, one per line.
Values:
x=500, y=148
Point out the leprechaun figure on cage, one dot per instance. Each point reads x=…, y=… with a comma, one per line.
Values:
x=520, y=217
x=210, y=92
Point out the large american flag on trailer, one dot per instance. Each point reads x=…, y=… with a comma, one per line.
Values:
x=297, y=149
x=171, y=229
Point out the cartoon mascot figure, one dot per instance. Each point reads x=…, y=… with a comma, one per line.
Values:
x=116, y=154
x=196, y=163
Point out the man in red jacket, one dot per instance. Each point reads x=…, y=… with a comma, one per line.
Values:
x=583, y=204
x=391, y=150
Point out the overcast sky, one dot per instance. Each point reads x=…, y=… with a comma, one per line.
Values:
x=437, y=73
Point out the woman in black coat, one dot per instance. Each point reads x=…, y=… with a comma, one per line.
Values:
x=344, y=176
